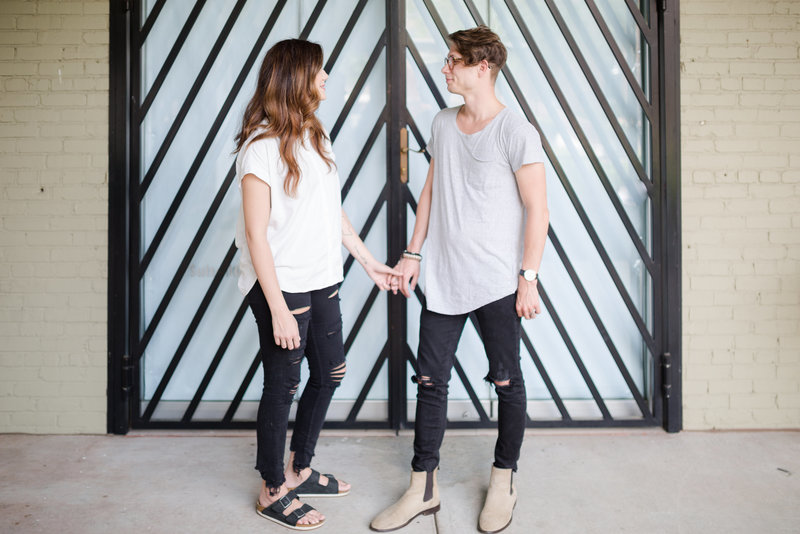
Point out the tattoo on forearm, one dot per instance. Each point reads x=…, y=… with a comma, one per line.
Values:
x=347, y=228
x=361, y=257
x=349, y=231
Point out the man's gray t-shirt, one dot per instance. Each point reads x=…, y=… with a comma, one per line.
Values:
x=476, y=227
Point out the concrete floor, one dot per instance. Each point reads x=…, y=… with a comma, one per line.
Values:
x=643, y=481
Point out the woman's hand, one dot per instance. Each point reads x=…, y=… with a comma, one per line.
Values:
x=381, y=274
x=284, y=328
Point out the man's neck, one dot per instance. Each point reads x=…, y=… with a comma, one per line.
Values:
x=481, y=105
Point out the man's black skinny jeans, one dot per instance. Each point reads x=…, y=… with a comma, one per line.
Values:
x=500, y=328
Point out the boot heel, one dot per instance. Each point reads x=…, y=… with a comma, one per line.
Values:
x=433, y=510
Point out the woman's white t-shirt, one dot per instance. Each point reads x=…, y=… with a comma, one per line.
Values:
x=305, y=231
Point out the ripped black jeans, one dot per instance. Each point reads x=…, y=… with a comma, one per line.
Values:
x=321, y=342
x=439, y=334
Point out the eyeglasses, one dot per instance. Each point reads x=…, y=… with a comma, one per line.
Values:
x=450, y=61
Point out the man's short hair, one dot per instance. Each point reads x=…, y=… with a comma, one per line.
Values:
x=477, y=44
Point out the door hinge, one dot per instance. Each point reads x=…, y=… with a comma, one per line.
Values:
x=666, y=374
x=126, y=5
x=662, y=5
x=127, y=375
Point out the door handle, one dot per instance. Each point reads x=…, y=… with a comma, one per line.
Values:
x=404, y=150
x=403, y=155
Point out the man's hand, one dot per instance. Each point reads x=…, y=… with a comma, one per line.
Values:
x=528, y=305
x=406, y=283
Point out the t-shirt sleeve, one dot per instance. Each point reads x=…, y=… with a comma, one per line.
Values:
x=524, y=146
x=429, y=146
x=256, y=161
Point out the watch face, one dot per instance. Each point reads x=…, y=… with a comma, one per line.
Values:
x=530, y=275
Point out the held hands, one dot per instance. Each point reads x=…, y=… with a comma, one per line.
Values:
x=406, y=279
x=381, y=274
x=528, y=305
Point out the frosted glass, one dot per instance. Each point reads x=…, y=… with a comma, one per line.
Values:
x=368, y=109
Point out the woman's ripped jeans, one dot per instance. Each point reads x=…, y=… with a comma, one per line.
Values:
x=319, y=321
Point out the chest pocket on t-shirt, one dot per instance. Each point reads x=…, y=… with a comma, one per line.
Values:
x=483, y=162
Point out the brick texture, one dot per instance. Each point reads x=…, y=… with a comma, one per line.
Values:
x=53, y=212
x=741, y=213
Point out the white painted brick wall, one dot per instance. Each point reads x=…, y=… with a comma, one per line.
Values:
x=740, y=100
x=53, y=215
x=741, y=214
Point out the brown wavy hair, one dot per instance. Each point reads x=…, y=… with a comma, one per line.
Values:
x=285, y=103
x=477, y=44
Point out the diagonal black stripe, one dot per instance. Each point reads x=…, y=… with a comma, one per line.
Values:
x=348, y=29
x=423, y=69
x=551, y=388
x=170, y=59
x=204, y=148
x=598, y=92
x=212, y=367
x=644, y=27
x=574, y=353
x=373, y=214
x=437, y=20
x=362, y=316
x=237, y=399
x=599, y=324
x=373, y=374
x=623, y=64
x=362, y=157
x=187, y=337
x=187, y=258
x=589, y=227
x=584, y=141
x=187, y=105
x=312, y=19
x=362, y=79
x=151, y=19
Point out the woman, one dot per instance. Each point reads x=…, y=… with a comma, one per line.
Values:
x=290, y=232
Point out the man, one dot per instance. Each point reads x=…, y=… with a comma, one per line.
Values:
x=484, y=212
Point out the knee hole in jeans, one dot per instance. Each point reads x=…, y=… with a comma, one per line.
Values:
x=422, y=381
x=298, y=311
x=337, y=373
x=502, y=383
x=333, y=294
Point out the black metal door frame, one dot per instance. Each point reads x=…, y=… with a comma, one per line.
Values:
x=665, y=401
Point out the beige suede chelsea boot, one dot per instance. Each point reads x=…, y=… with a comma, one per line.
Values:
x=500, y=500
x=421, y=497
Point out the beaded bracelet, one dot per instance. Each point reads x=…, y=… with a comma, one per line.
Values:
x=412, y=255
